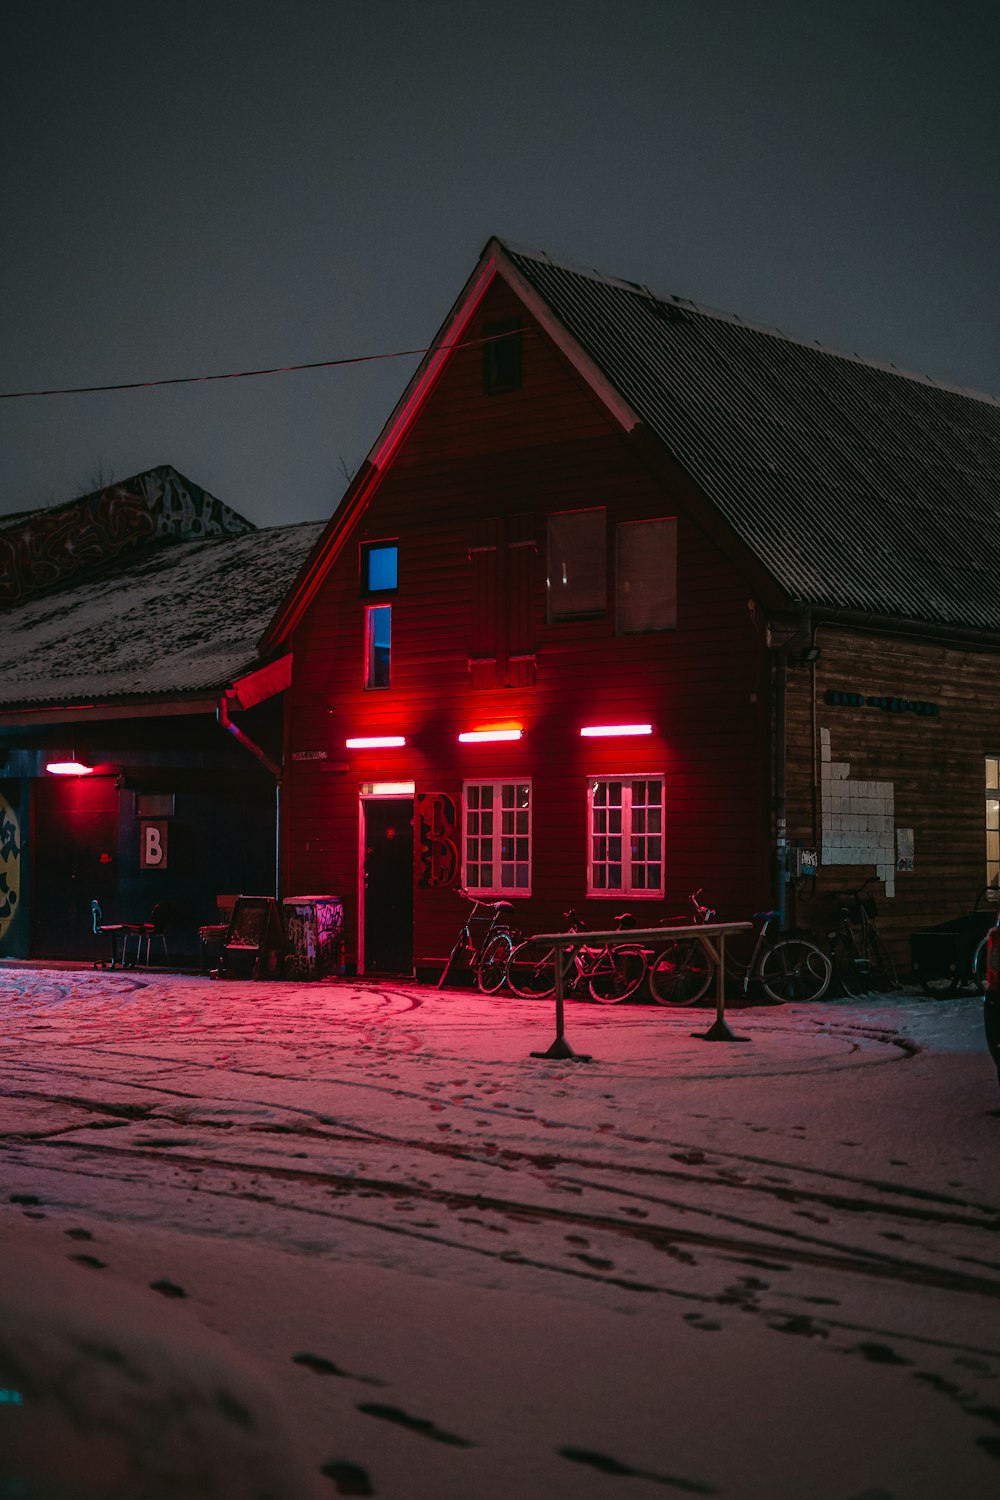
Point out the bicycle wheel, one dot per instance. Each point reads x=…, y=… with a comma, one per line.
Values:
x=492, y=968
x=531, y=970
x=883, y=966
x=680, y=974
x=852, y=973
x=617, y=973
x=794, y=969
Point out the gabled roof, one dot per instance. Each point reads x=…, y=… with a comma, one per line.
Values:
x=42, y=550
x=172, y=622
x=857, y=488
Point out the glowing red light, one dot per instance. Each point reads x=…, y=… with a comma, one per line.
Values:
x=485, y=736
x=376, y=742
x=68, y=768
x=607, y=731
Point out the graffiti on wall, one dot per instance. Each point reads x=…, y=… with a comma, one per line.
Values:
x=10, y=865
x=183, y=509
x=49, y=548
x=435, y=848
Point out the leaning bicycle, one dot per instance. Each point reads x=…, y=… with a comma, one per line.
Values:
x=861, y=961
x=485, y=942
x=610, y=971
x=783, y=965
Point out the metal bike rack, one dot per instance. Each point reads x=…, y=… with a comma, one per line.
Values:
x=711, y=935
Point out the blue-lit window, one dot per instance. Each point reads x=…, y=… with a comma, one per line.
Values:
x=379, y=567
x=378, y=645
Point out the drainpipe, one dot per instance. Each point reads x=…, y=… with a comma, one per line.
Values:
x=780, y=699
x=222, y=716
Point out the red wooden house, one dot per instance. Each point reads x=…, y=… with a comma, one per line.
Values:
x=575, y=635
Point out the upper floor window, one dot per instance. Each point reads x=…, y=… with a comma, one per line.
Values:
x=379, y=567
x=378, y=645
x=626, y=836
x=497, y=842
x=502, y=357
x=645, y=576
x=576, y=581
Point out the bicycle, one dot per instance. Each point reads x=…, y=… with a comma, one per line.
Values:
x=488, y=958
x=786, y=965
x=611, y=972
x=861, y=961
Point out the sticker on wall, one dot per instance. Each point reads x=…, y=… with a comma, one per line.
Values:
x=435, y=849
x=10, y=865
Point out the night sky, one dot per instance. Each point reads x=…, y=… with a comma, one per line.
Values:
x=198, y=188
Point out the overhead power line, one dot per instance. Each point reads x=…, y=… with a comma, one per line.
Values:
x=317, y=364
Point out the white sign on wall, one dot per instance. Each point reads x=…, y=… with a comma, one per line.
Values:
x=153, y=844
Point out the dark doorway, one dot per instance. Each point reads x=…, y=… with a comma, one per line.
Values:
x=74, y=862
x=387, y=873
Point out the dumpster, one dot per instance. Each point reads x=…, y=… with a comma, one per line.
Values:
x=314, y=935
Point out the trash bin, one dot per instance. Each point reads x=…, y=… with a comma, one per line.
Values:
x=314, y=933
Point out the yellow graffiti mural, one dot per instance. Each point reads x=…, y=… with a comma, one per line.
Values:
x=10, y=865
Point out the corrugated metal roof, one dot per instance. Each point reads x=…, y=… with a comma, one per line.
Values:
x=857, y=486
x=183, y=619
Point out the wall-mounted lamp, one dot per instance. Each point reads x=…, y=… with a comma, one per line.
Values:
x=72, y=767
x=809, y=654
x=608, y=731
x=376, y=742
x=487, y=736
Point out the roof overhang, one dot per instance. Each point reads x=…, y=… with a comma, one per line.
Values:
x=254, y=686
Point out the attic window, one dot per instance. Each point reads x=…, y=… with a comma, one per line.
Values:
x=501, y=357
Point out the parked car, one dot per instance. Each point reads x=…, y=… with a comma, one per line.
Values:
x=991, y=1004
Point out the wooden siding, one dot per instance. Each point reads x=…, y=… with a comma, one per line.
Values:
x=934, y=763
x=485, y=471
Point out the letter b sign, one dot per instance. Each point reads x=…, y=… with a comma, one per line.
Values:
x=153, y=845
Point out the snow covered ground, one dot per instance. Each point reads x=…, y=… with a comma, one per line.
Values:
x=352, y=1239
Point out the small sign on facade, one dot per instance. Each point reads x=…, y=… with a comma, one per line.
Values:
x=153, y=844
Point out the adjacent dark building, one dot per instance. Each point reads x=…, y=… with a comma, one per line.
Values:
x=128, y=620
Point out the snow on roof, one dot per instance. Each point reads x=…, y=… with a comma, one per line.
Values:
x=181, y=619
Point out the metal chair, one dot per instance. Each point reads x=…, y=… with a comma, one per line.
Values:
x=113, y=930
x=155, y=928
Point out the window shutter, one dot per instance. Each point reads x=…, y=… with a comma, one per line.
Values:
x=487, y=604
x=521, y=551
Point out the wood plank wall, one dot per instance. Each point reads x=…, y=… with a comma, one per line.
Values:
x=934, y=763
x=705, y=686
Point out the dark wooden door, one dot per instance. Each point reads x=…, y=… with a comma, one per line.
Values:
x=388, y=885
x=74, y=861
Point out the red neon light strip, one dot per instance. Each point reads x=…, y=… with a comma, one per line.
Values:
x=376, y=742
x=483, y=736
x=606, y=731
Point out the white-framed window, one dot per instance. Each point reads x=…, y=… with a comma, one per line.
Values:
x=497, y=837
x=993, y=820
x=625, y=854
